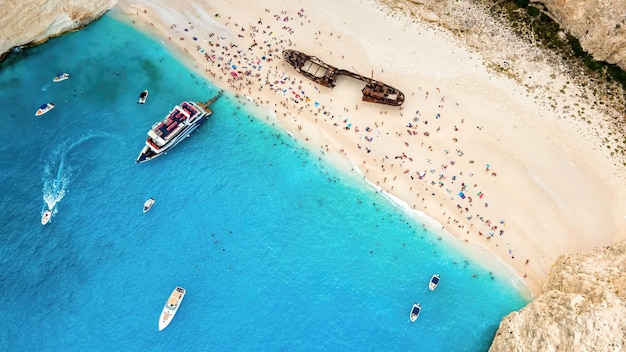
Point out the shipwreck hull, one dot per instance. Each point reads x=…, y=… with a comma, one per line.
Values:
x=312, y=68
x=378, y=92
x=326, y=75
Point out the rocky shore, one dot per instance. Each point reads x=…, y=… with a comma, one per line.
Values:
x=583, y=307
x=600, y=26
x=32, y=22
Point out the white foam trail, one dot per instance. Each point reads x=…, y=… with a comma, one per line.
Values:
x=55, y=184
x=57, y=174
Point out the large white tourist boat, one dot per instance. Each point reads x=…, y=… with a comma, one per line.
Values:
x=177, y=125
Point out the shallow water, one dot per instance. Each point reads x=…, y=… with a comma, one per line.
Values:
x=277, y=249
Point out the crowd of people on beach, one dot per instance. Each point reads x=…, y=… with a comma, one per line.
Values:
x=424, y=168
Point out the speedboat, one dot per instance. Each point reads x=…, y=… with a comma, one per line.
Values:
x=171, y=307
x=434, y=281
x=143, y=96
x=415, y=311
x=61, y=77
x=44, y=109
x=45, y=218
x=148, y=205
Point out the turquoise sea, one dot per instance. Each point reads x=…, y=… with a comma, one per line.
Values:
x=278, y=250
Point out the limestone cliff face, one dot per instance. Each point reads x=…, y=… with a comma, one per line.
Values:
x=34, y=21
x=599, y=25
x=583, y=307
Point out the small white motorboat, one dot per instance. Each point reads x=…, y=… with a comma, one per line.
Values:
x=45, y=218
x=143, y=96
x=171, y=307
x=44, y=109
x=434, y=281
x=61, y=77
x=148, y=205
x=415, y=311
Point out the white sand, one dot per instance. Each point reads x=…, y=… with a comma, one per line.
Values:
x=549, y=188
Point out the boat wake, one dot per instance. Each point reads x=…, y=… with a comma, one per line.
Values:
x=55, y=183
x=57, y=171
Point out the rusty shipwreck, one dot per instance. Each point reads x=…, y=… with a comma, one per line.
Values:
x=324, y=74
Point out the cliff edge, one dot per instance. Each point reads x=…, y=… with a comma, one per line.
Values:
x=35, y=21
x=583, y=307
x=599, y=26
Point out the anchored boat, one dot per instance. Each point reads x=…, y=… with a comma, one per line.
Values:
x=147, y=205
x=171, y=307
x=434, y=281
x=143, y=96
x=415, y=312
x=177, y=125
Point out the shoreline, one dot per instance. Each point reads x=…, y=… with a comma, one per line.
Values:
x=461, y=128
x=477, y=253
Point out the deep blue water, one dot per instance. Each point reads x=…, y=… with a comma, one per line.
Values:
x=278, y=250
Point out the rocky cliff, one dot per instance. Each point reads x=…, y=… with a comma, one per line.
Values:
x=583, y=307
x=34, y=21
x=599, y=25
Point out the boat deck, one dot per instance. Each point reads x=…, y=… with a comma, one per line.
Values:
x=175, y=298
x=178, y=124
x=175, y=120
x=314, y=69
x=173, y=301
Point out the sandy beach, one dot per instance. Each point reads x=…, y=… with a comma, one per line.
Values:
x=493, y=165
